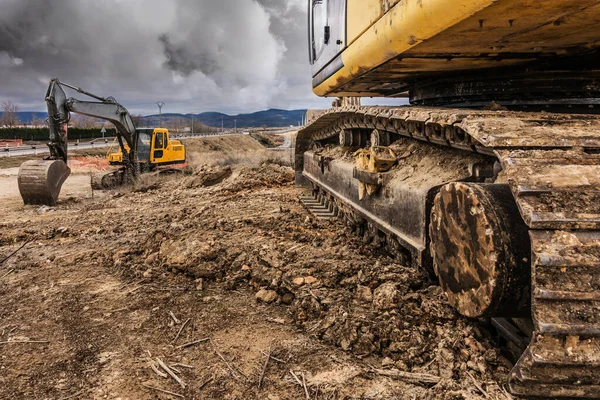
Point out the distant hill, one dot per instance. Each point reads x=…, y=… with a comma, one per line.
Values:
x=27, y=116
x=269, y=118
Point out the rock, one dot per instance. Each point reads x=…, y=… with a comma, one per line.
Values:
x=364, y=293
x=309, y=280
x=151, y=259
x=246, y=268
x=385, y=296
x=266, y=296
x=199, y=284
x=298, y=281
x=287, y=298
x=387, y=362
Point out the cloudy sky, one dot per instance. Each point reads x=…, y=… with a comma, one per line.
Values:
x=195, y=55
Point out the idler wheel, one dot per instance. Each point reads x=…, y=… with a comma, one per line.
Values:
x=480, y=248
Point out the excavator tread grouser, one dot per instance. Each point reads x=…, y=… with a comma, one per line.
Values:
x=140, y=150
x=490, y=180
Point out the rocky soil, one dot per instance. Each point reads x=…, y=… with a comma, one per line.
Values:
x=222, y=277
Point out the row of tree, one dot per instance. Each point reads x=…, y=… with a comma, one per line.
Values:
x=9, y=121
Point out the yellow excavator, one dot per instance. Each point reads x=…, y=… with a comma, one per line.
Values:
x=490, y=178
x=140, y=150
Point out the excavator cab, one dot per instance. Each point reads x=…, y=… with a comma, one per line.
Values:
x=153, y=148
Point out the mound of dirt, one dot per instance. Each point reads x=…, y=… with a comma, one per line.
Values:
x=232, y=250
x=337, y=287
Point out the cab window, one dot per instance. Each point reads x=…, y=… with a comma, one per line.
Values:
x=320, y=28
x=159, y=141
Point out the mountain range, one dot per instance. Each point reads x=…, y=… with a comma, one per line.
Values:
x=267, y=118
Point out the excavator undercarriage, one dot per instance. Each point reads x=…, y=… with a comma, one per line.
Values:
x=502, y=206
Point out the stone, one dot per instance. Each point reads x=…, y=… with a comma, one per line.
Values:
x=364, y=293
x=266, y=296
x=386, y=296
x=298, y=281
x=287, y=298
x=309, y=280
x=387, y=362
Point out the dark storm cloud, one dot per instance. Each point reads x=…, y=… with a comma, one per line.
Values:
x=196, y=55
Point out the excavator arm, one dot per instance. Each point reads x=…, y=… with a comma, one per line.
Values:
x=40, y=181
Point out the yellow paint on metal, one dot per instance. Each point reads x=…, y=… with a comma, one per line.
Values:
x=404, y=26
x=361, y=14
x=173, y=153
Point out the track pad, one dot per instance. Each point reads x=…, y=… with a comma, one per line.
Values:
x=40, y=181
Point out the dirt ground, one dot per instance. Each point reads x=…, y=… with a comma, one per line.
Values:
x=225, y=279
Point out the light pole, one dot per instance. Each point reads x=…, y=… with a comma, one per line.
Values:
x=160, y=105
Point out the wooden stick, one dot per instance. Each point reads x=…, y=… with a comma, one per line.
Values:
x=16, y=251
x=272, y=358
x=174, y=317
x=410, y=377
x=164, y=391
x=262, y=374
x=478, y=386
x=181, y=329
x=305, y=388
x=168, y=371
x=212, y=378
x=184, y=365
x=10, y=271
x=24, y=341
x=224, y=360
x=183, y=346
x=296, y=378
x=158, y=372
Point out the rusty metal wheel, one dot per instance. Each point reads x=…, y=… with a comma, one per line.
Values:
x=480, y=249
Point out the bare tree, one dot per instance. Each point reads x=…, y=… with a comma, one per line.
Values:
x=83, y=121
x=36, y=122
x=10, y=114
x=137, y=119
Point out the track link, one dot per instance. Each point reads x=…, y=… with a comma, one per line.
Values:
x=552, y=165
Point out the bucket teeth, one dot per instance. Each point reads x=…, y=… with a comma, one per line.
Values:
x=40, y=181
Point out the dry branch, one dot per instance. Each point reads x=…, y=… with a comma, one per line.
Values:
x=15, y=252
x=409, y=377
x=224, y=360
x=170, y=372
x=181, y=329
x=262, y=374
x=478, y=386
x=163, y=390
x=183, y=346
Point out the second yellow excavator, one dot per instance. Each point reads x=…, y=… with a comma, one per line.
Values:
x=140, y=150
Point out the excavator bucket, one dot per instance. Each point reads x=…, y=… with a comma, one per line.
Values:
x=40, y=181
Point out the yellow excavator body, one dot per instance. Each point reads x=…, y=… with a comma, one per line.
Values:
x=163, y=150
x=385, y=47
x=488, y=179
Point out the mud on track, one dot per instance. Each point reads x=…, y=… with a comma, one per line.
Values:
x=97, y=279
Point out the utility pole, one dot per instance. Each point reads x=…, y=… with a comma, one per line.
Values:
x=192, y=124
x=235, y=124
x=160, y=105
x=221, y=123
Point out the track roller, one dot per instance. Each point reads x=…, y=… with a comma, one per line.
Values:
x=480, y=249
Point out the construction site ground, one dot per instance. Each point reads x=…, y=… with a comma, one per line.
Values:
x=217, y=284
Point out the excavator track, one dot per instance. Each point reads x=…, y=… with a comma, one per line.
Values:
x=551, y=162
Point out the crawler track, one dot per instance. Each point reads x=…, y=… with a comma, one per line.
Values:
x=551, y=163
